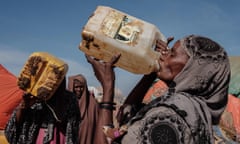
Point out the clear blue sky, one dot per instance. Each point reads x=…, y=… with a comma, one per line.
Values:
x=55, y=26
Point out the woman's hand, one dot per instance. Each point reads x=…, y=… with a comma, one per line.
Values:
x=28, y=100
x=162, y=46
x=104, y=70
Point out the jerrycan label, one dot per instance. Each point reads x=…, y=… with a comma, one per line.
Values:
x=121, y=28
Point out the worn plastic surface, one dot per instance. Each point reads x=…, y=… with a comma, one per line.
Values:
x=109, y=32
x=41, y=74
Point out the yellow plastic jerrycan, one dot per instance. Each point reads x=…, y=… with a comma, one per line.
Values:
x=42, y=74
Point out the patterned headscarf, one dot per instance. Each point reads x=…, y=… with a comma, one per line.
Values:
x=206, y=74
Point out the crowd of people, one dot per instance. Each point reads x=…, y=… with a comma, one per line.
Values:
x=196, y=71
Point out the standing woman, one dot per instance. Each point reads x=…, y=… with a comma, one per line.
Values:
x=197, y=72
x=88, y=107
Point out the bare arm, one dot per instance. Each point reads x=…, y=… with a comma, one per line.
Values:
x=137, y=94
x=105, y=74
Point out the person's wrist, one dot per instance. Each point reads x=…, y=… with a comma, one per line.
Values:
x=109, y=105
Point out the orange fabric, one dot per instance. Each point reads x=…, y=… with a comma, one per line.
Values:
x=230, y=120
x=157, y=90
x=233, y=106
x=10, y=95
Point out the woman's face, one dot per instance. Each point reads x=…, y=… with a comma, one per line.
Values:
x=78, y=89
x=172, y=62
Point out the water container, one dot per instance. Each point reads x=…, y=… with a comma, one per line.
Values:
x=42, y=74
x=109, y=32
